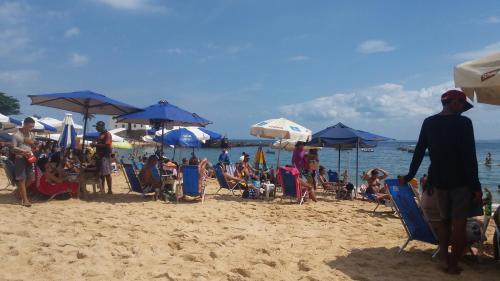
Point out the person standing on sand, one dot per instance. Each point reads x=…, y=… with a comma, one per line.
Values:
x=299, y=156
x=22, y=143
x=453, y=173
x=103, y=151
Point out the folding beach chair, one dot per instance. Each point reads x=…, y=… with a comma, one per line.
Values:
x=133, y=181
x=137, y=165
x=413, y=218
x=289, y=180
x=191, y=178
x=223, y=184
x=361, y=191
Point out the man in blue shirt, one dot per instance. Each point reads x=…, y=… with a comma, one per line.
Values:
x=224, y=157
x=453, y=173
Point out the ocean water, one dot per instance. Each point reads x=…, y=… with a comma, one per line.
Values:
x=385, y=156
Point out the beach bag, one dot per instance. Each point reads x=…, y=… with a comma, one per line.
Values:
x=474, y=230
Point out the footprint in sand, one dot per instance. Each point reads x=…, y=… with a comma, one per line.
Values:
x=272, y=264
x=239, y=237
x=175, y=245
x=213, y=255
x=241, y=271
x=303, y=266
x=192, y=258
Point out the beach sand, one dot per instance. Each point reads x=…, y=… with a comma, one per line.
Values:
x=124, y=237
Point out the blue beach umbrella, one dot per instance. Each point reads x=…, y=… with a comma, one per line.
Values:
x=83, y=102
x=181, y=137
x=68, y=136
x=341, y=137
x=213, y=135
x=164, y=114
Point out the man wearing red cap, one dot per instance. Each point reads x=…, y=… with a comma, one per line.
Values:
x=453, y=173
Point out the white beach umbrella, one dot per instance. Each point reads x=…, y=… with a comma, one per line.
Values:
x=58, y=124
x=480, y=78
x=7, y=122
x=289, y=145
x=280, y=129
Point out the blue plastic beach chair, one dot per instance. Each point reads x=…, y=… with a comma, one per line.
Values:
x=133, y=181
x=9, y=170
x=190, y=180
x=414, y=221
x=333, y=176
x=291, y=185
x=223, y=184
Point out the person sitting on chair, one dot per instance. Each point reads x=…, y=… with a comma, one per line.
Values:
x=324, y=181
x=375, y=189
x=150, y=176
x=308, y=180
x=53, y=181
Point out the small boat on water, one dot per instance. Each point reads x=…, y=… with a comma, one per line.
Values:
x=367, y=150
x=270, y=152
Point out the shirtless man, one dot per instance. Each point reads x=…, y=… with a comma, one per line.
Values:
x=375, y=188
x=150, y=176
x=22, y=143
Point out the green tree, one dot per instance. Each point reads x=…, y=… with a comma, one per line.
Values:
x=9, y=105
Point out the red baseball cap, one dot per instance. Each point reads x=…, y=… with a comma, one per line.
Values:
x=459, y=95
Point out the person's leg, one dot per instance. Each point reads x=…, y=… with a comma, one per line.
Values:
x=312, y=194
x=444, y=232
x=461, y=207
x=109, y=181
x=20, y=177
x=458, y=238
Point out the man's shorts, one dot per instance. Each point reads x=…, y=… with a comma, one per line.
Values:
x=105, y=166
x=23, y=170
x=456, y=203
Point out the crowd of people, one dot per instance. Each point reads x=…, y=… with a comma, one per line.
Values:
x=44, y=167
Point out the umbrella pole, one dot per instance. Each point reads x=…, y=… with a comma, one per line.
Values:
x=85, y=118
x=279, y=153
x=173, y=156
x=339, y=162
x=162, y=137
x=357, y=165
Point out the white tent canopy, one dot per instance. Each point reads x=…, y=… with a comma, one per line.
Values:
x=480, y=78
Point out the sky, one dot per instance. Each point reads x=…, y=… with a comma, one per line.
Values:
x=379, y=66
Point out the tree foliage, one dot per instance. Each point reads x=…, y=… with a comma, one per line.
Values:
x=9, y=105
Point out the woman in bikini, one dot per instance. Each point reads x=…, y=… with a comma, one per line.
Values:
x=375, y=189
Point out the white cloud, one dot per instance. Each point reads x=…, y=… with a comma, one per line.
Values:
x=229, y=49
x=78, y=59
x=374, y=46
x=382, y=102
x=13, y=11
x=474, y=54
x=18, y=76
x=176, y=51
x=74, y=31
x=135, y=5
x=299, y=58
x=492, y=20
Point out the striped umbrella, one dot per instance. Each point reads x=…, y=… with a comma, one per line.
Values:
x=68, y=136
x=260, y=160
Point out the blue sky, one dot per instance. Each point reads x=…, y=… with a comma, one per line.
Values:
x=374, y=65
